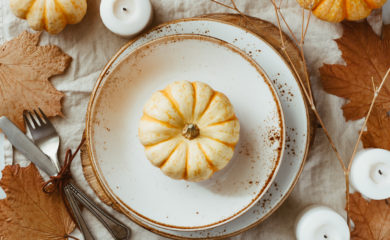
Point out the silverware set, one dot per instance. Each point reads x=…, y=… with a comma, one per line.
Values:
x=43, y=152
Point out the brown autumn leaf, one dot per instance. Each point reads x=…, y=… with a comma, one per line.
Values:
x=25, y=69
x=378, y=130
x=371, y=219
x=29, y=213
x=367, y=57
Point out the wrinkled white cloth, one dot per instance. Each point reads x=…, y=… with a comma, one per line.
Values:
x=91, y=45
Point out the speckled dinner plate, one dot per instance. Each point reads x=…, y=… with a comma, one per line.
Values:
x=142, y=189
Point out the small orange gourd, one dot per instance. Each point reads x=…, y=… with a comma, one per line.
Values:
x=338, y=10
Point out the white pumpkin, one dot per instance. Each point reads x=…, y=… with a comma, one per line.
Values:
x=49, y=15
x=189, y=130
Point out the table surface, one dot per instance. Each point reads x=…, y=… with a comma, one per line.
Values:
x=91, y=45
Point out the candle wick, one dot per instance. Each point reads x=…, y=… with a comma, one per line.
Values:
x=124, y=9
x=325, y=236
x=380, y=172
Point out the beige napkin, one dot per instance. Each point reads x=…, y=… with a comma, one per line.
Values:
x=91, y=45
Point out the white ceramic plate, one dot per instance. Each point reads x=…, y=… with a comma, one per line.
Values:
x=143, y=190
x=295, y=112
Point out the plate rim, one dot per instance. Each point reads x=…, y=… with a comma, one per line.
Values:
x=279, y=150
x=309, y=134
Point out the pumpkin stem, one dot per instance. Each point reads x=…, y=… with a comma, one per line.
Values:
x=190, y=131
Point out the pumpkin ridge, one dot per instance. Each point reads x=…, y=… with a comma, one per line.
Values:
x=29, y=9
x=370, y=6
x=194, y=102
x=155, y=144
x=324, y=12
x=173, y=103
x=185, y=174
x=222, y=142
x=211, y=165
x=170, y=155
x=346, y=14
x=44, y=19
x=62, y=9
x=331, y=5
x=152, y=119
x=344, y=8
x=314, y=7
x=222, y=122
x=208, y=105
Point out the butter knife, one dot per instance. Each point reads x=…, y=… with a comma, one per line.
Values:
x=22, y=143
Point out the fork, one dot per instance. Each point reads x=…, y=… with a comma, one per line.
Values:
x=47, y=139
x=44, y=136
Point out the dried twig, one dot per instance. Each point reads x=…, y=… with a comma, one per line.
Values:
x=223, y=4
x=307, y=26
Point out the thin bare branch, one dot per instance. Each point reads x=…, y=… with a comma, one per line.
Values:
x=299, y=43
x=346, y=177
x=309, y=90
x=222, y=4
x=377, y=90
x=301, y=83
x=307, y=24
x=288, y=26
x=279, y=26
x=302, y=25
x=235, y=6
x=332, y=144
x=373, y=84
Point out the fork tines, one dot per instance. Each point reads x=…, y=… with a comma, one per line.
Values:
x=35, y=120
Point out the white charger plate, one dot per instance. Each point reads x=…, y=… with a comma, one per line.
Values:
x=293, y=104
x=143, y=190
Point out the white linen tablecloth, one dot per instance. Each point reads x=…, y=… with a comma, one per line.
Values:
x=91, y=45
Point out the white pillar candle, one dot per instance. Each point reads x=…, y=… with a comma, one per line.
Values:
x=126, y=17
x=321, y=223
x=370, y=173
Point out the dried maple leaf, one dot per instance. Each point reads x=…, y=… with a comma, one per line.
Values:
x=367, y=57
x=371, y=219
x=29, y=213
x=25, y=69
x=378, y=130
